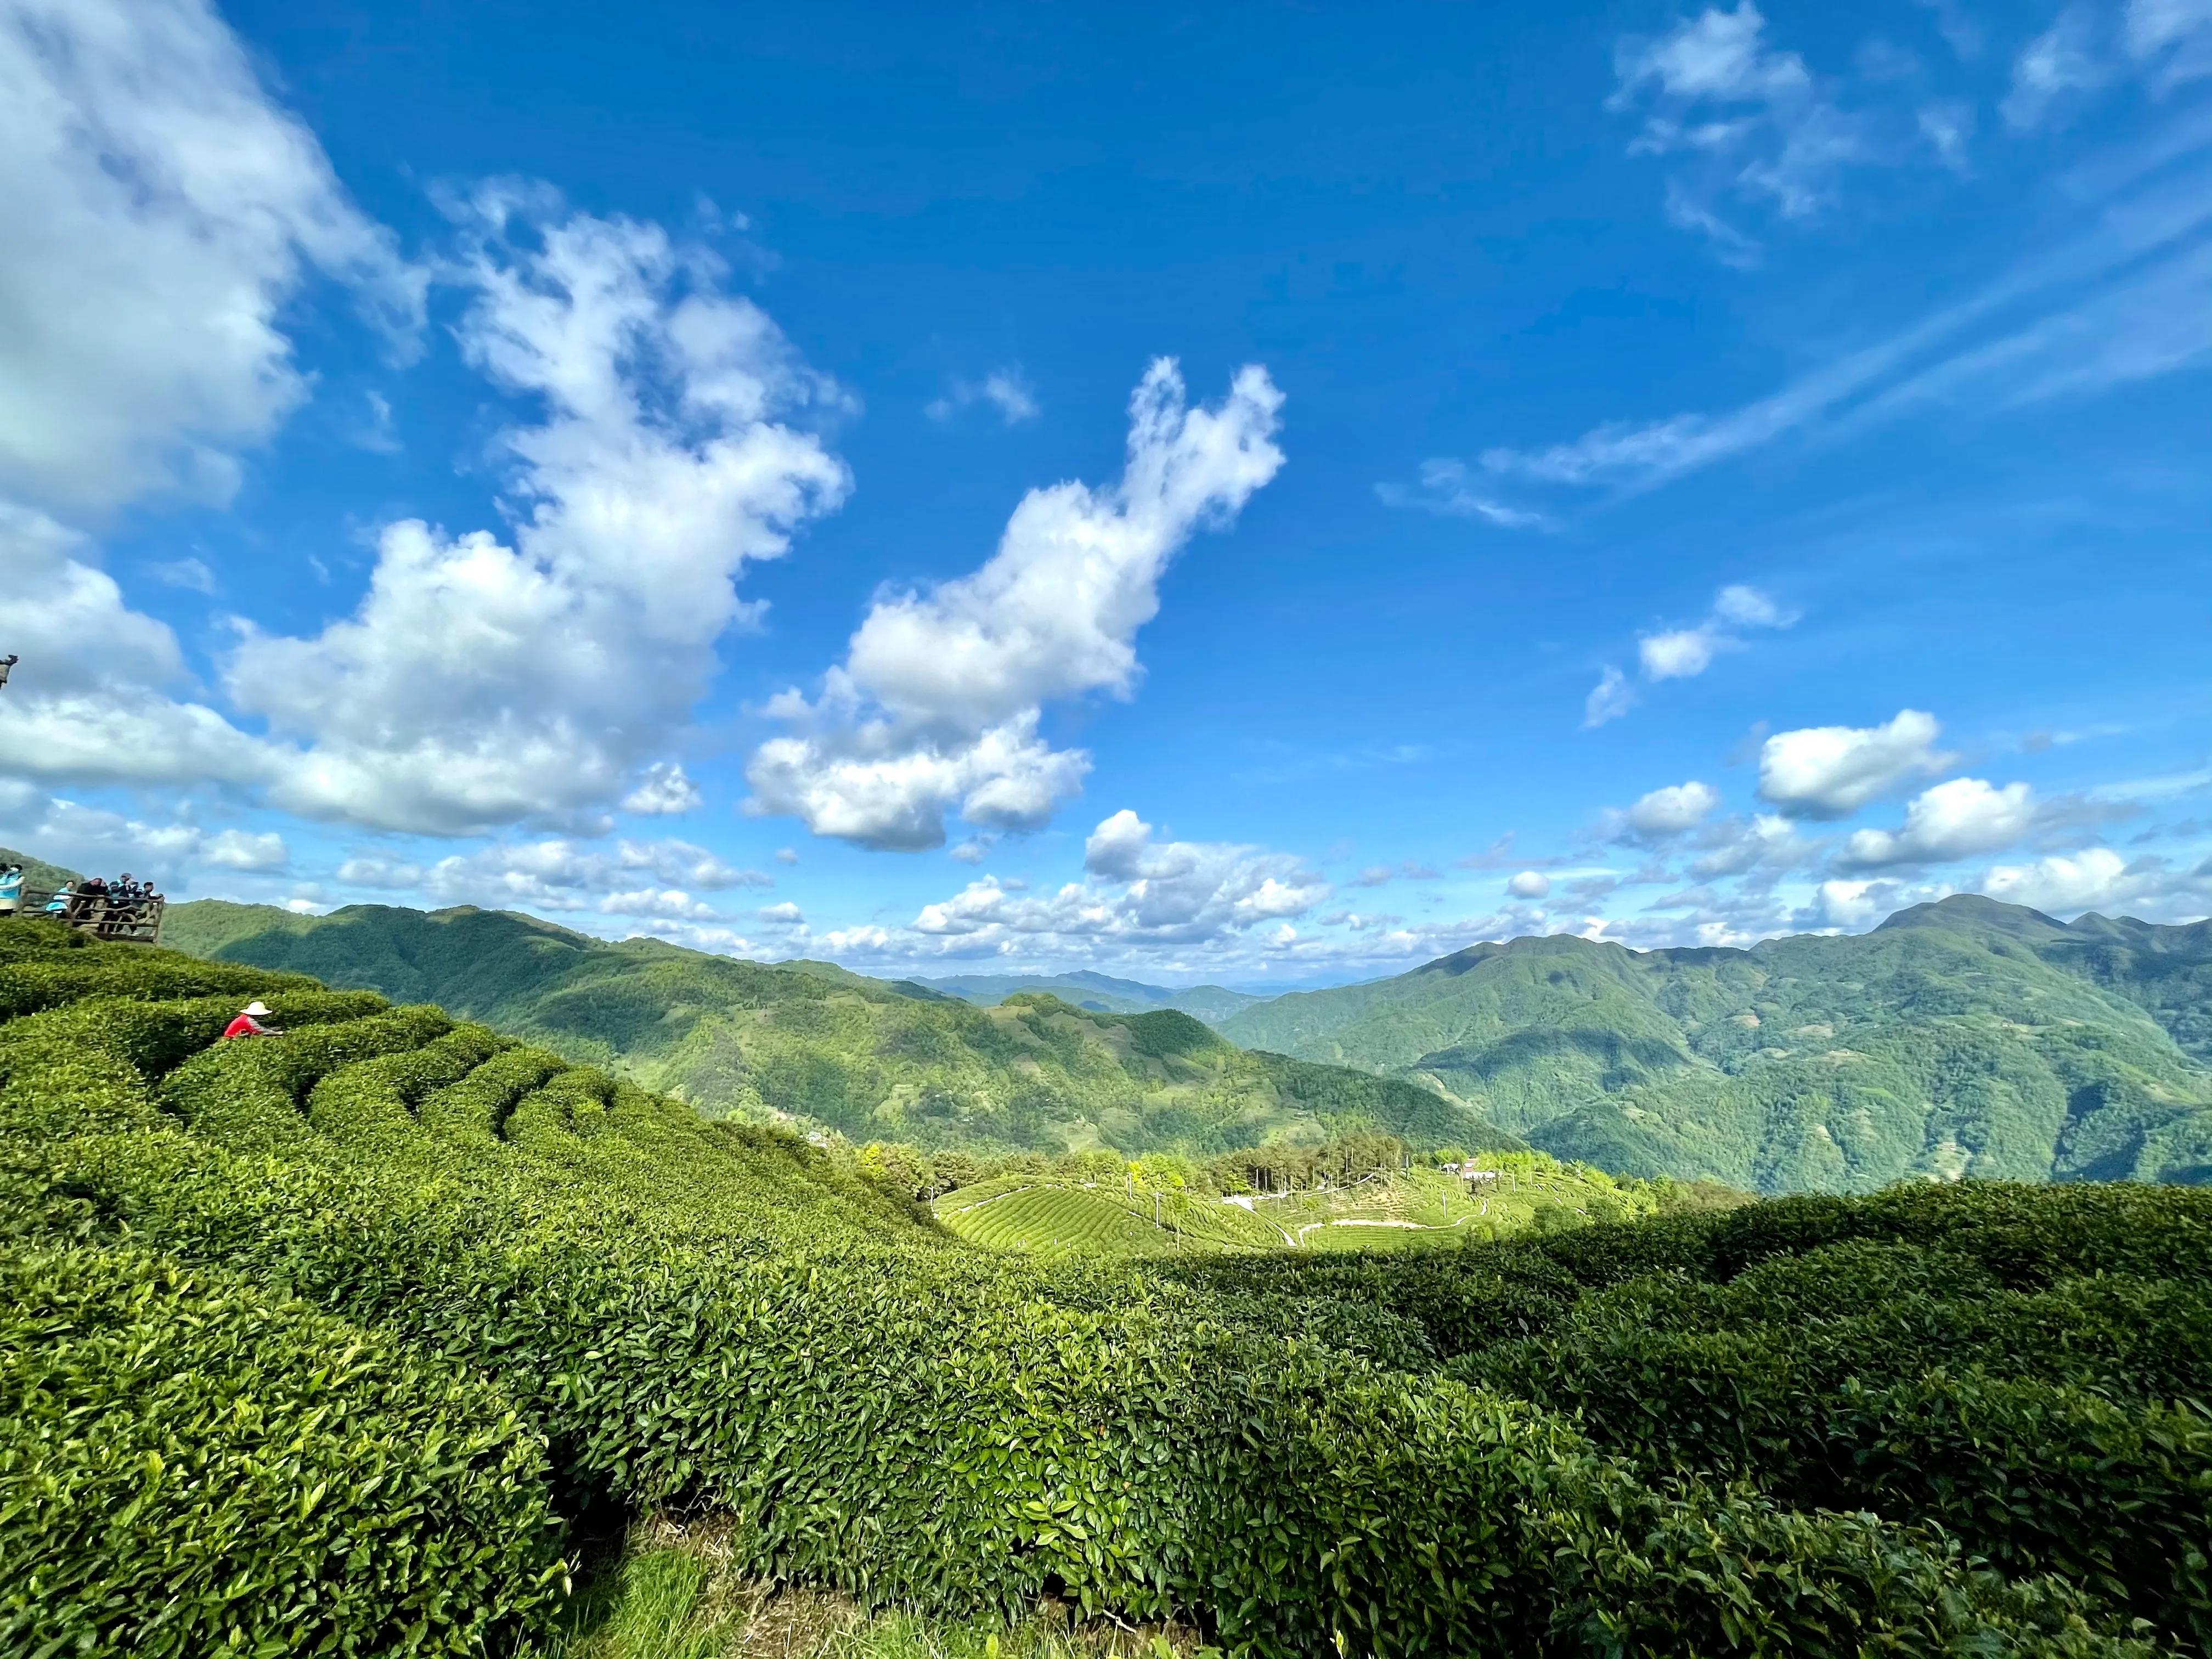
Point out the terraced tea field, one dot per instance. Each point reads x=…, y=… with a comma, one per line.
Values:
x=395, y=1289
x=1413, y=1209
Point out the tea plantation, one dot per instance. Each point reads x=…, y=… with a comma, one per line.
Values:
x=341, y=1341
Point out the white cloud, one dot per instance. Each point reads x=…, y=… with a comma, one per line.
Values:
x=1143, y=891
x=673, y=903
x=1741, y=118
x=785, y=915
x=189, y=574
x=1850, y=903
x=2065, y=59
x=1672, y=811
x=1529, y=885
x=1954, y=820
x=1676, y=653
x=238, y=850
x=160, y=211
x=935, y=709
x=2095, y=879
x=88, y=703
x=1609, y=699
x=96, y=840
x=626, y=877
x=1006, y=390
x=481, y=684
x=1447, y=491
x=1681, y=653
x=665, y=792
x=1768, y=843
x=1831, y=771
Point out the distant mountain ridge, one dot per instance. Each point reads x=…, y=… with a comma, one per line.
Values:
x=1964, y=1038
x=812, y=1040
x=1100, y=993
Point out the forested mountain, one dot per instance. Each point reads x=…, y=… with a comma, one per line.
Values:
x=1963, y=1037
x=1100, y=993
x=873, y=1060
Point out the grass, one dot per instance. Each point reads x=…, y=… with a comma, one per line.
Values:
x=671, y=1593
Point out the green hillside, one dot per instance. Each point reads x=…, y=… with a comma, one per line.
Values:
x=354, y=1339
x=812, y=1043
x=1963, y=1038
x=1100, y=993
x=37, y=872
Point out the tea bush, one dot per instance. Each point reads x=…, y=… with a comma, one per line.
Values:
x=1387, y=1456
x=190, y=1465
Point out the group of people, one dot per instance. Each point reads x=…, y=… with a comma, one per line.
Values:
x=127, y=901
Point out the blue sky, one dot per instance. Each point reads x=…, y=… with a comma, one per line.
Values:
x=1256, y=493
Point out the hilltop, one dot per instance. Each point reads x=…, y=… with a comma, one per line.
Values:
x=1966, y=1037
x=811, y=1043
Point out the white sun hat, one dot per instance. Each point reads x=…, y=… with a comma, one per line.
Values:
x=257, y=1008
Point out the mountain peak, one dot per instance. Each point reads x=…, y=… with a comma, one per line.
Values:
x=1974, y=910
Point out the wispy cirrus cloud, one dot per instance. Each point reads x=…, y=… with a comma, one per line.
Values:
x=1447, y=490
x=2127, y=297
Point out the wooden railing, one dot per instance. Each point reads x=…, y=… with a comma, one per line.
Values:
x=138, y=920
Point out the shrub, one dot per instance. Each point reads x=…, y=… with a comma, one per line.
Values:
x=247, y=1094
x=190, y=1465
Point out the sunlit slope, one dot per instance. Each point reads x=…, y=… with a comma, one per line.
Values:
x=811, y=1043
x=1940, y=1049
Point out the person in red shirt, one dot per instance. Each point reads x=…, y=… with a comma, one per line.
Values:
x=248, y=1023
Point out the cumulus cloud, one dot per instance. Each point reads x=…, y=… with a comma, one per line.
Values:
x=1529, y=885
x=2095, y=878
x=671, y=903
x=1766, y=842
x=1678, y=653
x=626, y=877
x=483, y=680
x=96, y=839
x=1954, y=820
x=1142, y=890
x=1672, y=811
x=481, y=683
x=1006, y=390
x=936, y=708
x=92, y=702
x=1832, y=771
x=161, y=210
x=665, y=792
